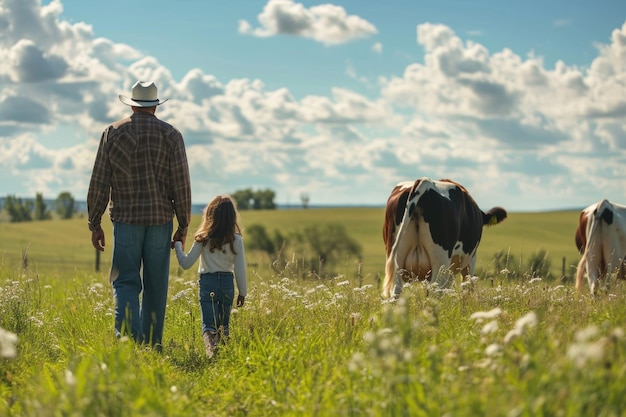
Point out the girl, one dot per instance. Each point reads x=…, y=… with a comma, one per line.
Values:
x=219, y=244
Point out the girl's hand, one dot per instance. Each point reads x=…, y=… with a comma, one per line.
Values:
x=240, y=300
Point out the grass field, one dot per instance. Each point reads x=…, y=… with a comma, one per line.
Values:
x=307, y=347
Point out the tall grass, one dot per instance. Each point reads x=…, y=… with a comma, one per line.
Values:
x=324, y=348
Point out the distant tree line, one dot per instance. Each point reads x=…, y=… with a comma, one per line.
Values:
x=23, y=210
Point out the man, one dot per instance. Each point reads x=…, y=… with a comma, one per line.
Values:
x=141, y=169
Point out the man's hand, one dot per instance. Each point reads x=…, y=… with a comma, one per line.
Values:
x=240, y=300
x=97, y=239
x=179, y=236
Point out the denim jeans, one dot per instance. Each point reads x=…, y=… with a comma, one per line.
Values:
x=140, y=267
x=216, y=293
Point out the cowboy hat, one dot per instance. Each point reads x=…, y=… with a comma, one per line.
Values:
x=144, y=94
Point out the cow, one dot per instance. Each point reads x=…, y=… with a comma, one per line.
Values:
x=431, y=229
x=601, y=240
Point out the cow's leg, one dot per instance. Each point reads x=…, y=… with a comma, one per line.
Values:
x=613, y=265
x=444, y=276
x=441, y=267
x=593, y=273
x=399, y=283
x=468, y=271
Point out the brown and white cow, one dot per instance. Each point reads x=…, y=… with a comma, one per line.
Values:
x=432, y=228
x=601, y=239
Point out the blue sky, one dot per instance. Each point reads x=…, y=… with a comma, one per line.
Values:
x=522, y=102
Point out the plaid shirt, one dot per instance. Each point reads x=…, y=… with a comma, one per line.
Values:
x=141, y=167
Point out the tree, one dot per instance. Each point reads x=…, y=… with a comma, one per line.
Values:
x=264, y=199
x=243, y=198
x=65, y=205
x=19, y=211
x=41, y=211
x=258, y=200
x=257, y=238
x=305, y=199
x=325, y=246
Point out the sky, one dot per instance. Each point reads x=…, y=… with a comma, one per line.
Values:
x=524, y=103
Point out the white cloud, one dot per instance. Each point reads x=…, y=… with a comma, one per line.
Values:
x=327, y=23
x=28, y=63
x=377, y=47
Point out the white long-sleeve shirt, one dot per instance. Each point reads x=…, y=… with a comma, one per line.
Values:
x=223, y=260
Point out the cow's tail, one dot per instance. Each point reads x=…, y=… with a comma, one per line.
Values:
x=580, y=272
x=390, y=268
x=392, y=275
x=494, y=216
x=592, y=252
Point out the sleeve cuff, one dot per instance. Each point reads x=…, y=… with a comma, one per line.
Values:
x=94, y=227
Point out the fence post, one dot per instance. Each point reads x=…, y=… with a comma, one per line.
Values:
x=97, y=260
x=563, y=268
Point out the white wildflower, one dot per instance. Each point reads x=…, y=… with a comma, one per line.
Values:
x=466, y=284
x=585, y=349
x=479, y=316
x=369, y=337
x=70, y=379
x=490, y=327
x=363, y=288
x=528, y=320
x=493, y=349
x=36, y=321
x=342, y=283
x=587, y=334
x=8, y=342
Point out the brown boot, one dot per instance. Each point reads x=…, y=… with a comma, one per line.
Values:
x=210, y=343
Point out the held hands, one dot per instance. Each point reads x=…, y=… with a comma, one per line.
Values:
x=240, y=300
x=179, y=236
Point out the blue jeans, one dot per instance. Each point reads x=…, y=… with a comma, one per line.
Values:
x=216, y=293
x=141, y=250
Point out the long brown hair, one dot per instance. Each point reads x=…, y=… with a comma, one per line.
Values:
x=219, y=224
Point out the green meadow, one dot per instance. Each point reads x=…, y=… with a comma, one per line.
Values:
x=499, y=344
